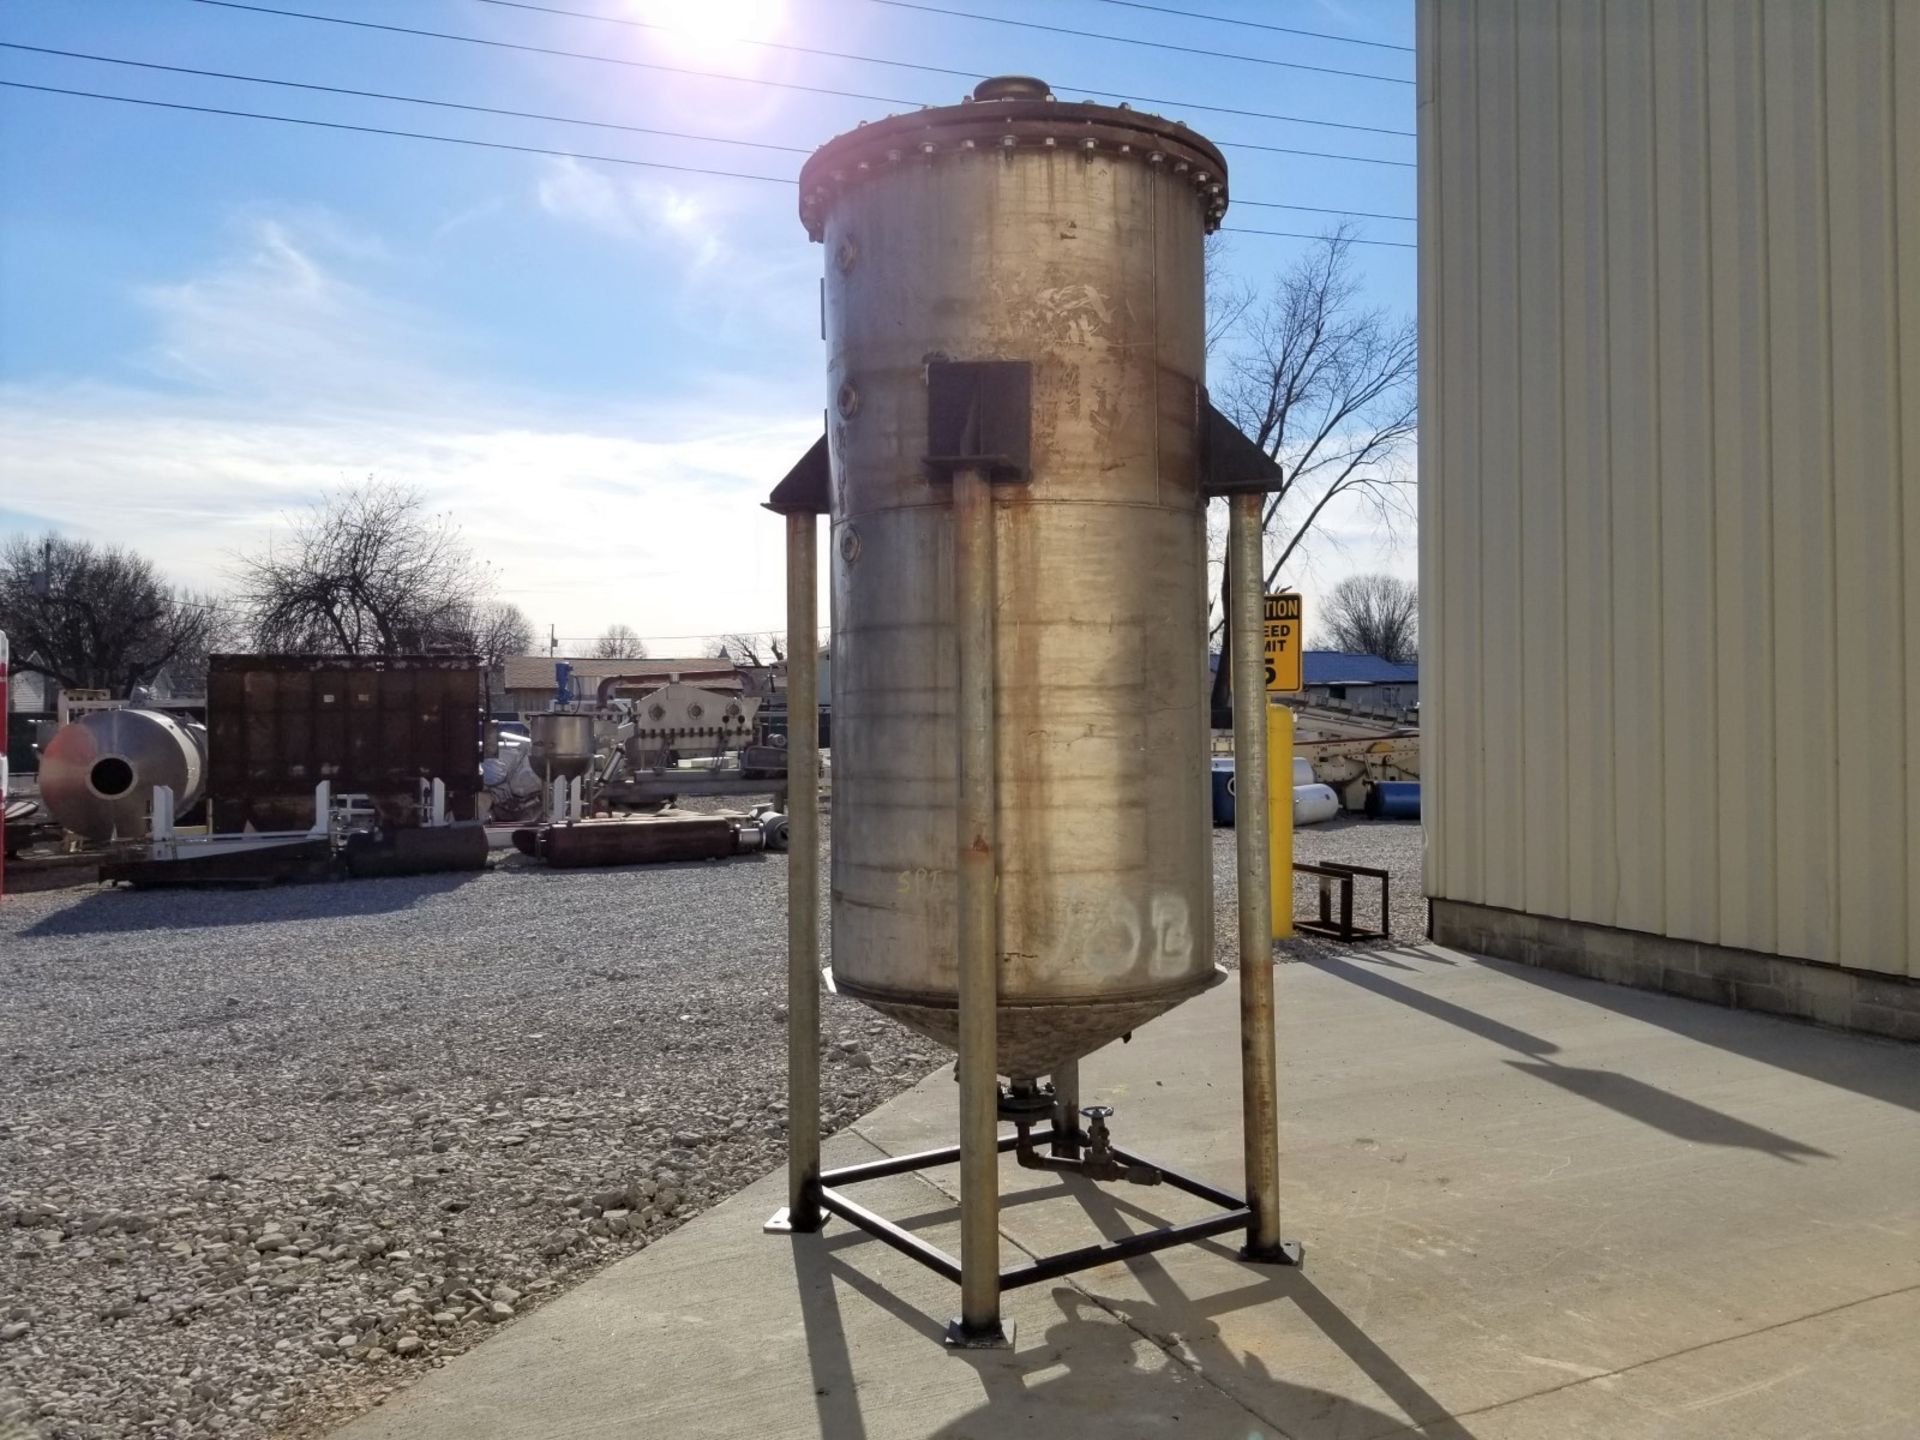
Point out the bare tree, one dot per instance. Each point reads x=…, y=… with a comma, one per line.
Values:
x=1326, y=385
x=619, y=642
x=92, y=618
x=366, y=571
x=1228, y=297
x=766, y=647
x=225, y=629
x=1375, y=614
x=495, y=630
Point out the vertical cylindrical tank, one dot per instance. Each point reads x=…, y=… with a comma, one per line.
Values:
x=563, y=744
x=1069, y=237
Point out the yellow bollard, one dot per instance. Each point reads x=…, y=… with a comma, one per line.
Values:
x=1280, y=817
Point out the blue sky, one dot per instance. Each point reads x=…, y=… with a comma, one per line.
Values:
x=599, y=370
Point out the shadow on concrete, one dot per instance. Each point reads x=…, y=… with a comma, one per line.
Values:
x=1180, y=1322
x=818, y=1273
x=1472, y=1021
x=1649, y=1104
x=1664, y=1110
x=131, y=912
x=1425, y=954
x=1865, y=1064
x=1380, y=957
x=1084, y=1365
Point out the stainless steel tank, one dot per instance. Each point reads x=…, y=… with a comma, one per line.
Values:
x=1014, y=227
x=97, y=775
x=562, y=744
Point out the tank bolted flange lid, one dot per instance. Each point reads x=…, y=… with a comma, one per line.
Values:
x=1012, y=87
x=1011, y=113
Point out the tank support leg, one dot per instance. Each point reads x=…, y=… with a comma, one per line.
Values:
x=979, y=987
x=1066, y=1111
x=1259, y=1066
x=803, y=1212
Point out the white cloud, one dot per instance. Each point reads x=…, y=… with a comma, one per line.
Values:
x=291, y=367
x=706, y=239
x=626, y=208
x=583, y=526
x=284, y=370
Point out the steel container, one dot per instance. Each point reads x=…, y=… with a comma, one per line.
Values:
x=562, y=744
x=1068, y=236
x=98, y=774
x=372, y=725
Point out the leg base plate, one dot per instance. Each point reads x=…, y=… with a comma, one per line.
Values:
x=959, y=1337
x=781, y=1223
x=1288, y=1253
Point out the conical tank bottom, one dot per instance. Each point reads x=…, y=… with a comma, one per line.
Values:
x=1036, y=1040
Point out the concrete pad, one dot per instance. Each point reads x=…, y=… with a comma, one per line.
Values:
x=1532, y=1205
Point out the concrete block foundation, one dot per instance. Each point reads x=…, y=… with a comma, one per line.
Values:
x=1887, y=1005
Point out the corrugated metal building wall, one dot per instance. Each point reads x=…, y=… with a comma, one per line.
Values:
x=1670, y=468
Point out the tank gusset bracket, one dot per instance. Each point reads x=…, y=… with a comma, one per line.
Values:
x=1234, y=1215
x=980, y=414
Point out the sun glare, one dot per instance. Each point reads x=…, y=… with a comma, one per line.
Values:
x=715, y=30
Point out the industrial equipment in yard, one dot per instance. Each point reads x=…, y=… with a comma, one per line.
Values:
x=635, y=753
x=5, y=808
x=99, y=773
x=372, y=725
x=646, y=839
x=1017, y=465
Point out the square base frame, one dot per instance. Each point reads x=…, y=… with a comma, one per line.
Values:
x=1234, y=1214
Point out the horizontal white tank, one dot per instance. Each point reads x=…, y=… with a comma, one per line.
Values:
x=1314, y=803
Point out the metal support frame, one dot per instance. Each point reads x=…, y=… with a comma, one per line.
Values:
x=814, y=1194
x=1259, y=1064
x=1331, y=873
x=978, y=944
x=1066, y=1111
x=803, y=1209
x=1234, y=1215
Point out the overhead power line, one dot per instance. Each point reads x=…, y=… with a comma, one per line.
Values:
x=744, y=79
x=1255, y=24
x=634, y=24
x=525, y=114
x=515, y=149
x=562, y=54
x=1297, y=235
x=1315, y=154
x=1322, y=210
x=402, y=99
x=1135, y=40
x=403, y=134
x=809, y=89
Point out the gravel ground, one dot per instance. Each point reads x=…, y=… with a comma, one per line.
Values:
x=267, y=1154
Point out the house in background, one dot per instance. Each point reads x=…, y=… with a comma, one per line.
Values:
x=1365, y=684
x=29, y=692
x=30, y=701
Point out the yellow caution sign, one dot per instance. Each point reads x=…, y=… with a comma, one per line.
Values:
x=1283, y=645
